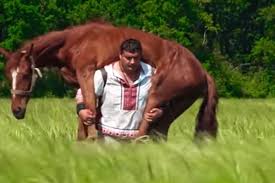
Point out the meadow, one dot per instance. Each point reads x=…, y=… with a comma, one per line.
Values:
x=42, y=148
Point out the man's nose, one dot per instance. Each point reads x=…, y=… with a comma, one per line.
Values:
x=132, y=61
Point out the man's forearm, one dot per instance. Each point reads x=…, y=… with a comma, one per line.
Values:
x=79, y=107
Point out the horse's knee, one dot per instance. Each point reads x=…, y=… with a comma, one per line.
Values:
x=69, y=76
x=81, y=131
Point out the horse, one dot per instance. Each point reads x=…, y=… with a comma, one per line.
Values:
x=78, y=51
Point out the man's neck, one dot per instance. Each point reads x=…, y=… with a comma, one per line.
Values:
x=129, y=76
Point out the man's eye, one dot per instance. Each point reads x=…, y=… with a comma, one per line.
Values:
x=130, y=58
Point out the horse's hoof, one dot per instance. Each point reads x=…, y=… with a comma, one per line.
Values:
x=142, y=139
x=92, y=138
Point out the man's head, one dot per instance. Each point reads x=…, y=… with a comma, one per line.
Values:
x=130, y=55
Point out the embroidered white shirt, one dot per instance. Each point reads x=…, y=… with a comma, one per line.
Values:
x=122, y=106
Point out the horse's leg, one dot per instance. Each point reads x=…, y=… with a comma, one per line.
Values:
x=81, y=131
x=206, y=118
x=170, y=82
x=69, y=76
x=155, y=99
x=152, y=102
x=85, y=76
x=174, y=108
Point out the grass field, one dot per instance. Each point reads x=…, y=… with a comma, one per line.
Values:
x=42, y=148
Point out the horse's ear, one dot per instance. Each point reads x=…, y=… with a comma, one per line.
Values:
x=5, y=53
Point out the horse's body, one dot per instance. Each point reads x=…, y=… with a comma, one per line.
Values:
x=79, y=51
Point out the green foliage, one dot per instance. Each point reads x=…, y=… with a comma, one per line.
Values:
x=256, y=84
x=165, y=18
x=266, y=17
x=263, y=52
x=52, y=85
x=228, y=79
x=232, y=81
x=237, y=31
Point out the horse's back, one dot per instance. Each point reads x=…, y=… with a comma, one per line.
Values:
x=100, y=43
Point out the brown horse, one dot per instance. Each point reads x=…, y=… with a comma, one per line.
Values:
x=78, y=51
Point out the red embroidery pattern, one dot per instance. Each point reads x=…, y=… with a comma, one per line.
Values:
x=119, y=133
x=130, y=98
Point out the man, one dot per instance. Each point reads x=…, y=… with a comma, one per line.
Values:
x=123, y=95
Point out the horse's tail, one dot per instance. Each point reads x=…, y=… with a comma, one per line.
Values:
x=206, y=119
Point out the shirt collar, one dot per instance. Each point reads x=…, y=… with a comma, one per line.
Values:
x=146, y=71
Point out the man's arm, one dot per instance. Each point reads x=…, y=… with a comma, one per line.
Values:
x=81, y=110
x=86, y=114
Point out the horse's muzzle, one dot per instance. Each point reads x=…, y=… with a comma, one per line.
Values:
x=19, y=113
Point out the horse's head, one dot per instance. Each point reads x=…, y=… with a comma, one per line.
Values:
x=22, y=73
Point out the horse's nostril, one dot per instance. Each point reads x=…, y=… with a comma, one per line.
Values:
x=17, y=111
x=19, y=108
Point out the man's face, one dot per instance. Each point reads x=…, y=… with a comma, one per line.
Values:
x=130, y=61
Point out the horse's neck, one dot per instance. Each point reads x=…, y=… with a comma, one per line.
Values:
x=47, y=48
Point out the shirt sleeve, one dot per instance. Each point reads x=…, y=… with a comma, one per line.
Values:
x=79, y=96
x=98, y=84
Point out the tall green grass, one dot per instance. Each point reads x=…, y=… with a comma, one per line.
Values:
x=42, y=148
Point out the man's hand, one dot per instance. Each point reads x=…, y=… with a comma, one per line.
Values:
x=154, y=114
x=87, y=116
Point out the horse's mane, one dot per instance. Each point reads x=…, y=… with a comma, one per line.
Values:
x=44, y=40
x=99, y=21
x=53, y=36
x=93, y=22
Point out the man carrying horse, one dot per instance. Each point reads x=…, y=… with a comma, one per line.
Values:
x=79, y=51
x=122, y=89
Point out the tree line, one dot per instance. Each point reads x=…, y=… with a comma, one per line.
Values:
x=234, y=40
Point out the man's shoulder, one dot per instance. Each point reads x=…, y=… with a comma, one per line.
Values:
x=106, y=68
x=109, y=66
x=147, y=69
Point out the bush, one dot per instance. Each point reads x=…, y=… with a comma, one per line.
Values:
x=232, y=82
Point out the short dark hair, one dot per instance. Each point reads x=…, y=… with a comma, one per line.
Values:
x=131, y=45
